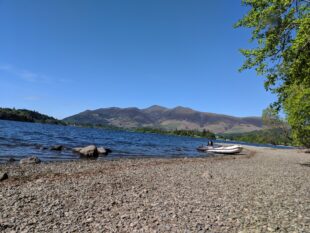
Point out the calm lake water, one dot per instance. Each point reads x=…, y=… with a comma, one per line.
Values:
x=20, y=139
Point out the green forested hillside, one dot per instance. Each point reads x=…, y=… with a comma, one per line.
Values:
x=27, y=116
x=189, y=133
x=266, y=136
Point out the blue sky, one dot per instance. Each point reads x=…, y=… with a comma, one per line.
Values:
x=61, y=57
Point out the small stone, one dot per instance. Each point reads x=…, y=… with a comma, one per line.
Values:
x=207, y=175
x=69, y=213
x=200, y=226
x=133, y=224
x=89, y=220
x=30, y=160
x=39, y=181
x=3, y=176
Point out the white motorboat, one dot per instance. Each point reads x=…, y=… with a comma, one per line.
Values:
x=235, y=149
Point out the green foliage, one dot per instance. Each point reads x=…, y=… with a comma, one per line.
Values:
x=281, y=31
x=181, y=132
x=188, y=133
x=27, y=115
x=95, y=126
x=266, y=136
x=276, y=131
x=298, y=116
x=272, y=120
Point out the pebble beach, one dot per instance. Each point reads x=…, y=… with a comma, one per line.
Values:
x=260, y=190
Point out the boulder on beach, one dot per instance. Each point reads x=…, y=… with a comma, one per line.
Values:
x=30, y=160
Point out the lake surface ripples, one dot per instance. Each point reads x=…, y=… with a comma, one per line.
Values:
x=21, y=139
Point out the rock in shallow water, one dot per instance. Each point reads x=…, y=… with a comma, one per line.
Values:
x=77, y=149
x=11, y=160
x=30, y=160
x=103, y=151
x=57, y=147
x=89, y=151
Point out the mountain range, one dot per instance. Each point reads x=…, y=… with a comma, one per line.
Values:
x=166, y=118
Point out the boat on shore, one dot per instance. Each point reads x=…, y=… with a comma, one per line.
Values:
x=234, y=149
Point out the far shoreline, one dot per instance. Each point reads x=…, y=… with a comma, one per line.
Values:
x=138, y=130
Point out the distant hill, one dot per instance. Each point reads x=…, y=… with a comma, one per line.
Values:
x=27, y=116
x=165, y=118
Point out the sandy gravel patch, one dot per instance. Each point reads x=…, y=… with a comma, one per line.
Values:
x=268, y=190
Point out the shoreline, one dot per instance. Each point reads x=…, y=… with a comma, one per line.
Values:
x=5, y=160
x=246, y=153
x=264, y=189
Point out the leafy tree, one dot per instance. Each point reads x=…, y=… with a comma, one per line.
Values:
x=298, y=115
x=270, y=118
x=273, y=122
x=281, y=33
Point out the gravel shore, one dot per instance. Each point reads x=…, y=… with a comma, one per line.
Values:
x=259, y=191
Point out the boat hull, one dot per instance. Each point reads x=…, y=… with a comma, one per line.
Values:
x=221, y=150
